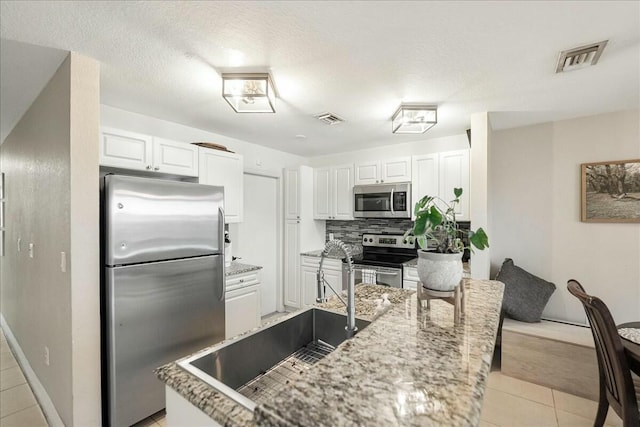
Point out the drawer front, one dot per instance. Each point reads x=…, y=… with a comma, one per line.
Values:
x=327, y=264
x=242, y=280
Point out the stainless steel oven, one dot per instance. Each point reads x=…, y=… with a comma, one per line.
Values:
x=382, y=259
x=382, y=200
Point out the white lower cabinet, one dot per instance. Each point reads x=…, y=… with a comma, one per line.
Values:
x=242, y=303
x=410, y=278
x=332, y=269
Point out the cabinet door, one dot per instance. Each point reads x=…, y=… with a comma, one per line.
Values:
x=454, y=172
x=425, y=177
x=396, y=170
x=292, y=193
x=291, y=263
x=224, y=169
x=343, y=192
x=367, y=173
x=309, y=285
x=175, y=157
x=322, y=194
x=334, y=278
x=123, y=149
x=242, y=310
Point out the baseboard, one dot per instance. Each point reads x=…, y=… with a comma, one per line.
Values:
x=48, y=409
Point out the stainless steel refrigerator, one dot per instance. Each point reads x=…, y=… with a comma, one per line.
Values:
x=163, y=285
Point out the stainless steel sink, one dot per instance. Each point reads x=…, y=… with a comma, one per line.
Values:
x=254, y=367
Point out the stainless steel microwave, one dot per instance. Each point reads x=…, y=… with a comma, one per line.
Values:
x=382, y=200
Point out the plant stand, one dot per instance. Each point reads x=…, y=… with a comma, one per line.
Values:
x=455, y=297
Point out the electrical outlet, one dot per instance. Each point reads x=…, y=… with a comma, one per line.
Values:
x=63, y=262
x=30, y=250
x=19, y=244
x=46, y=355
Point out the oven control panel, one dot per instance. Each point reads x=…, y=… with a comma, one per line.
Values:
x=389, y=241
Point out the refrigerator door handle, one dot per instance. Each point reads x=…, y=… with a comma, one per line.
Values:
x=222, y=251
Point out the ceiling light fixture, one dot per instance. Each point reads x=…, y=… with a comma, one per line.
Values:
x=414, y=118
x=249, y=93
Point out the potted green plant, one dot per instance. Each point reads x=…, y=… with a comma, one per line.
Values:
x=440, y=268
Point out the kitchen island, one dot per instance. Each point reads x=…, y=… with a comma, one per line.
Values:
x=410, y=366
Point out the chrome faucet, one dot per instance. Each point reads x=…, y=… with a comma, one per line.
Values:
x=321, y=297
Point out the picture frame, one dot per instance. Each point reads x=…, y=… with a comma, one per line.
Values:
x=611, y=191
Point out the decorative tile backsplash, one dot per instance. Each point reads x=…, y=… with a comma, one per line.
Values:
x=350, y=232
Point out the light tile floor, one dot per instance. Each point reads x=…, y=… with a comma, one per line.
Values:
x=507, y=402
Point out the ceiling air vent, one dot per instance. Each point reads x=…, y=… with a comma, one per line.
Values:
x=580, y=57
x=330, y=119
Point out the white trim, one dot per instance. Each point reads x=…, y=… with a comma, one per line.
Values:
x=271, y=173
x=47, y=406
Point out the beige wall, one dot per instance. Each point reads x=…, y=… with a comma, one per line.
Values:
x=534, y=209
x=50, y=161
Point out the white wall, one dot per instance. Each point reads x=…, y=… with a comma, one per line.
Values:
x=481, y=135
x=534, y=185
x=50, y=161
x=256, y=157
x=435, y=145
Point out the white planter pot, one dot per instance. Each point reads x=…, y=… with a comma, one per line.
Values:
x=440, y=272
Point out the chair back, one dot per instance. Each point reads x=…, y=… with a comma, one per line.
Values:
x=612, y=362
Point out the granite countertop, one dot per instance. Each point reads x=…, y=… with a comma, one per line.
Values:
x=332, y=254
x=238, y=268
x=411, y=366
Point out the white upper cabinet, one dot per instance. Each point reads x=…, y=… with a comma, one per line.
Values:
x=395, y=170
x=130, y=150
x=322, y=193
x=123, y=149
x=292, y=194
x=383, y=172
x=438, y=174
x=333, y=193
x=426, y=177
x=224, y=169
x=367, y=173
x=342, y=192
x=175, y=157
x=454, y=173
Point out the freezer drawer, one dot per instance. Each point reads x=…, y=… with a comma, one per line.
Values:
x=151, y=219
x=157, y=313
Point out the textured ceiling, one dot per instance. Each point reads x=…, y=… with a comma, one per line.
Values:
x=358, y=60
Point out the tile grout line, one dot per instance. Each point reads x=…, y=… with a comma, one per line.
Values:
x=525, y=398
x=15, y=412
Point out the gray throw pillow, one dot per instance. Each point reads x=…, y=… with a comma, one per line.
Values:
x=525, y=295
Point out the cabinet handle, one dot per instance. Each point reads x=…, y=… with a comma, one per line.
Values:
x=382, y=180
x=241, y=280
x=156, y=168
x=148, y=167
x=298, y=217
x=376, y=181
x=298, y=222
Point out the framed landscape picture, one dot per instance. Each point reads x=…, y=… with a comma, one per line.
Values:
x=611, y=191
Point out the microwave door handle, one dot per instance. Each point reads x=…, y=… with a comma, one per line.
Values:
x=392, y=212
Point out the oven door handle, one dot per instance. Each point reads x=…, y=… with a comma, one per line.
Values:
x=385, y=273
x=391, y=204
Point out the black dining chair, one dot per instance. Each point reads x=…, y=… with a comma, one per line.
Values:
x=616, y=384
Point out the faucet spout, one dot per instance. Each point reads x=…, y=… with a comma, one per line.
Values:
x=351, y=328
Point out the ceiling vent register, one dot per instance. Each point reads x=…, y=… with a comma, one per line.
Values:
x=329, y=118
x=580, y=57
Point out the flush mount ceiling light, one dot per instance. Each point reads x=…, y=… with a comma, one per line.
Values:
x=249, y=93
x=414, y=118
